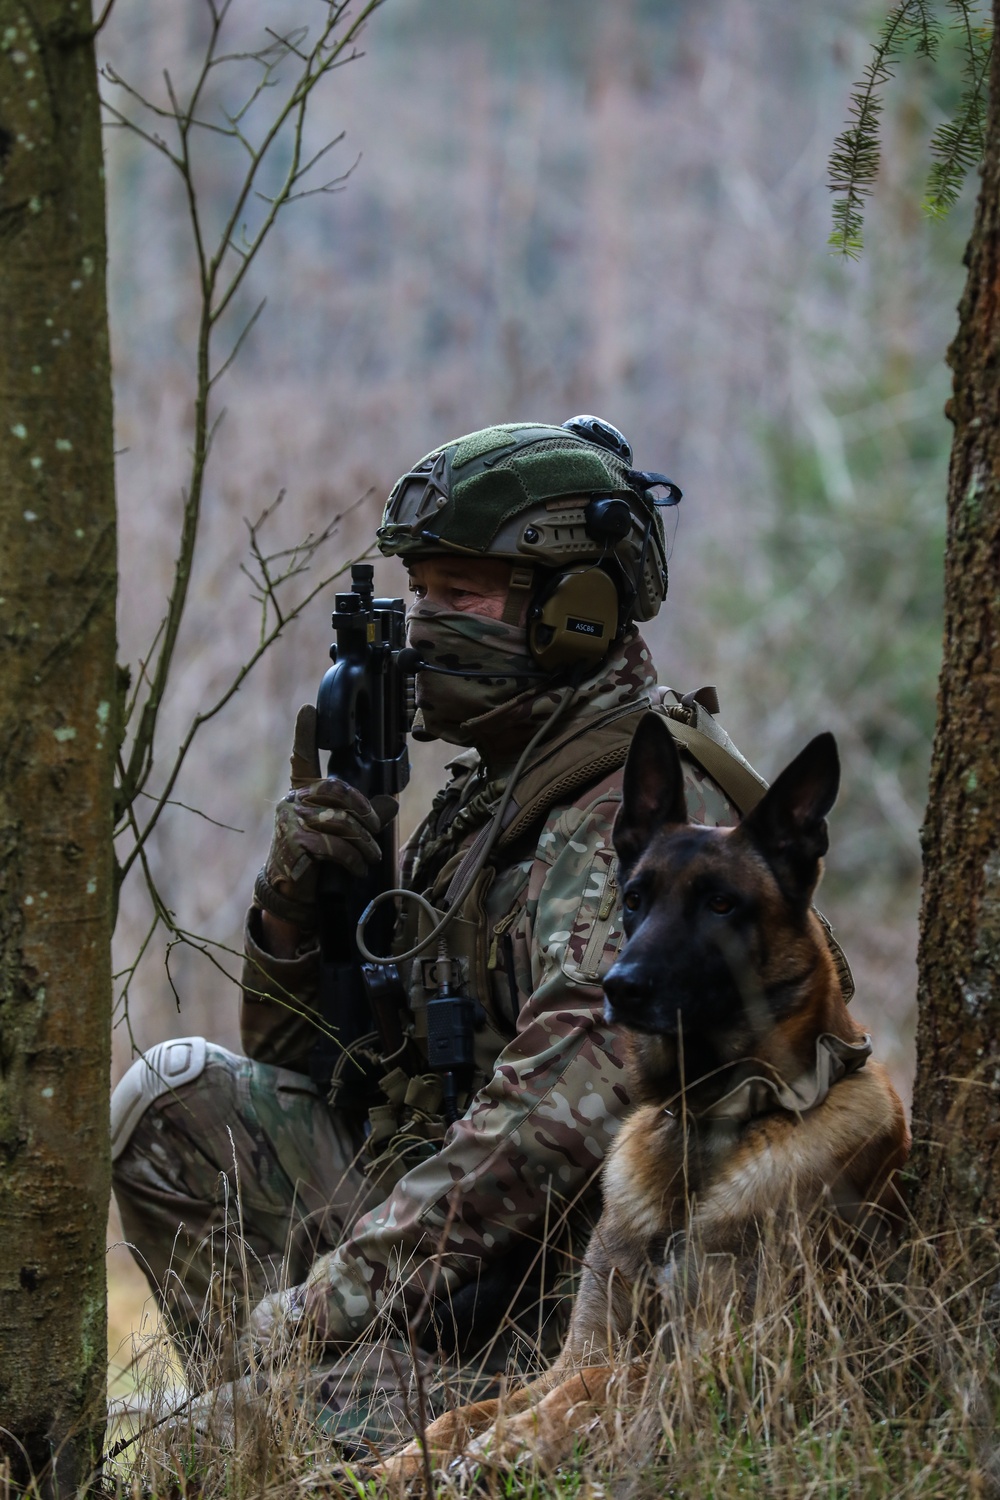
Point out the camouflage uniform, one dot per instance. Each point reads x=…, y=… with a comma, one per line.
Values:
x=360, y=1215
x=413, y=1221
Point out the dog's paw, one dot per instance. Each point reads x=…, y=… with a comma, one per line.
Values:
x=399, y=1468
x=549, y=1432
x=516, y=1441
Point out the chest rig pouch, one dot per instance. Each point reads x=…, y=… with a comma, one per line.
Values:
x=453, y=1035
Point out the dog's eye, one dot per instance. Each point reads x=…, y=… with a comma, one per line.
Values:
x=631, y=901
x=720, y=904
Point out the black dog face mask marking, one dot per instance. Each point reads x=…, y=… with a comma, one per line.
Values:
x=712, y=915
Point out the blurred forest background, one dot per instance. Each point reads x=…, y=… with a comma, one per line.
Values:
x=616, y=208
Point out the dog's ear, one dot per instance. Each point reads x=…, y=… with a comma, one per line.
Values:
x=788, y=824
x=652, y=788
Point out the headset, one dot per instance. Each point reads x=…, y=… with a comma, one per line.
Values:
x=576, y=613
x=573, y=618
x=579, y=611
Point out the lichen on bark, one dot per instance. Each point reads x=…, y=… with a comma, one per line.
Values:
x=57, y=629
x=957, y=1094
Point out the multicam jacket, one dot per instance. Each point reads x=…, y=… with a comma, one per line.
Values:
x=549, y=1091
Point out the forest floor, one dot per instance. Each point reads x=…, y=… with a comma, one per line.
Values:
x=850, y=1386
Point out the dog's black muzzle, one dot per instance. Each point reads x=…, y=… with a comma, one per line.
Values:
x=630, y=994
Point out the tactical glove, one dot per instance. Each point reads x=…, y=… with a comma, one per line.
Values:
x=273, y=1324
x=321, y=818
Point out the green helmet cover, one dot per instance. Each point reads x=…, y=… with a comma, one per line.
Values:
x=521, y=491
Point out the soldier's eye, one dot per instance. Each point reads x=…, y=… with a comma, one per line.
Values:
x=720, y=904
x=632, y=901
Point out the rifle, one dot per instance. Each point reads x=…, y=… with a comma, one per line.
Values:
x=363, y=712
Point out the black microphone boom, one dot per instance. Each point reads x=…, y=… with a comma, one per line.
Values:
x=410, y=660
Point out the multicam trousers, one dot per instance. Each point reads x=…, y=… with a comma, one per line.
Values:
x=231, y=1176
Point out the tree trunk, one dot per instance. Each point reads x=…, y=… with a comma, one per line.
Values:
x=957, y=1097
x=57, y=723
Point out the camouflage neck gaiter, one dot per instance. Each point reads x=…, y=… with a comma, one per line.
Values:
x=449, y=706
x=625, y=677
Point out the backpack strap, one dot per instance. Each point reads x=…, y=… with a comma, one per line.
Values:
x=703, y=737
x=568, y=764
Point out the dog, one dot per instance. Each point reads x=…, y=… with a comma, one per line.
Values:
x=755, y=1100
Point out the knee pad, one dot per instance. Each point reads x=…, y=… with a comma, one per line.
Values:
x=163, y=1068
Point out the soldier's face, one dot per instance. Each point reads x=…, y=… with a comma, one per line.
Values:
x=475, y=586
x=474, y=661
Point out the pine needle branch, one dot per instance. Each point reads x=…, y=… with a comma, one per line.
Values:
x=856, y=155
x=958, y=144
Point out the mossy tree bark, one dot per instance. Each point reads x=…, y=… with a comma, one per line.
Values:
x=957, y=1097
x=57, y=629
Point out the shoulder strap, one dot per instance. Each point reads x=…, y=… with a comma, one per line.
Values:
x=564, y=766
x=567, y=766
x=573, y=762
x=704, y=738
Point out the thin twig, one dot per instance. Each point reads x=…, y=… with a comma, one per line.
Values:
x=219, y=281
x=241, y=339
x=185, y=807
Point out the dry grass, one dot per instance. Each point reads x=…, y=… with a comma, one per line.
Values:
x=838, y=1383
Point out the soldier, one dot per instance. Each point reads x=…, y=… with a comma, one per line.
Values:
x=357, y=1212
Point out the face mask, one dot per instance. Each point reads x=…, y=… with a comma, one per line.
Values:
x=465, y=643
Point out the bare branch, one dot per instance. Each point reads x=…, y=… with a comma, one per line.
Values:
x=103, y=18
x=316, y=65
x=290, y=46
x=228, y=827
x=123, y=122
x=333, y=45
x=247, y=327
x=129, y=969
x=154, y=109
x=109, y=72
x=319, y=155
x=175, y=109
x=265, y=83
x=143, y=675
x=216, y=424
x=335, y=185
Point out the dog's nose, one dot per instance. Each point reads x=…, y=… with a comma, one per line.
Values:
x=626, y=987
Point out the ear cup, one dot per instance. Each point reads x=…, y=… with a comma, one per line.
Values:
x=574, y=619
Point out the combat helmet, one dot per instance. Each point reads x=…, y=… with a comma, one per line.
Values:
x=563, y=502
